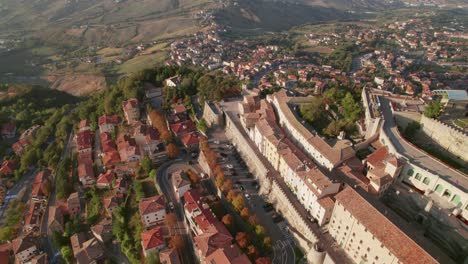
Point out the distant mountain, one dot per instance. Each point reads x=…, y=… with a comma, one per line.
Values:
x=273, y=15
x=107, y=22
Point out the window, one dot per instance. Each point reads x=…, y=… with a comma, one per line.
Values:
x=368, y=249
x=347, y=227
x=456, y=200
x=354, y=234
x=410, y=172
x=426, y=181
x=418, y=176
x=439, y=188
x=360, y=242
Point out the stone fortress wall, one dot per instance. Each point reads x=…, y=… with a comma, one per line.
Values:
x=453, y=140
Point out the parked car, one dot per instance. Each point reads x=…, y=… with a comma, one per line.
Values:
x=171, y=205
x=216, y=142
x=229, y=166
x=247, y=196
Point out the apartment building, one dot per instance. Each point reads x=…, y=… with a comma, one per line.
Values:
x=300, y=173
x=367, y=236
x=326, y=154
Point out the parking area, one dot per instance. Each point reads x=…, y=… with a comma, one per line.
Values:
x=237, y=171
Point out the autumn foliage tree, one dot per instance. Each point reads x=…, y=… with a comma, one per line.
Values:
x=176, y=243
x=245, y=213
x=231, y=195
x=242, y=239
x=252, y=252
x=228, y=220
x=159, y=122
x=193, y=176
x=172, y=151
x=263, y=260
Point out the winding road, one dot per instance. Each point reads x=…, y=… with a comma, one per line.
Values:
x=163, y=180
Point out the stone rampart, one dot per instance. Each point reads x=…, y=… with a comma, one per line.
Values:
x=453, y=140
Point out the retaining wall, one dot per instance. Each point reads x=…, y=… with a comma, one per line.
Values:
x=453, y=140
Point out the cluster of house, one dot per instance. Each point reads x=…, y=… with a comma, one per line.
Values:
x=204, y=49
x=313, y=168
x=24, y=140
x=212, y=240
x=180, y=123
x=25, y=246
x=7, y=168
x=154, y=237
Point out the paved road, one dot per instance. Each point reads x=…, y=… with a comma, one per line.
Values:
x=163, y=180
x=415, y=155
x=283, y=249
x=97, y=150
x=24, y=181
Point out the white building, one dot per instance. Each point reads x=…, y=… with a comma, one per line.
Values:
x=181, y=183
x=315, y=147
x=152, y=210
x=367, y=236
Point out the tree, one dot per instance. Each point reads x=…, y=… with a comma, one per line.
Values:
x=313, y=110
x=267, y=242
x=245, y=213
x=171, y=220
x=146, y=164
x=172, y=151
x=238, y=203
x=231, y=195
x=193, y=176
x=433, y=109
x=242, y=239
x=259, y=230
x=263, y=260
x=227, y=185
x=252, y=251
x=351, y=108
x=202, y=126
x=67, y=254
x=228, y=220
x=176, y=243
x=220, y=181
x=152, y=258
x=253, y=220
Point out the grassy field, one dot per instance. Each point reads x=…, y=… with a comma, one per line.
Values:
x=143, y=61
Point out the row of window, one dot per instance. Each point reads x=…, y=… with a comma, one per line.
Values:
x=439, y=189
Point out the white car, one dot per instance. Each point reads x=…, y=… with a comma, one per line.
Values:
x=216, y=142
x=171, y=205
x=247, y=196
x=229, y=166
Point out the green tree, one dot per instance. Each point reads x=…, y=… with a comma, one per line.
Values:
x=351, y=108
x=433, y=109
x=67, y=254
x=146, y=164
x=313, y=110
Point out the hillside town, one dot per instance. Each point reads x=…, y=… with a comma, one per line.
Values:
x=311, y=161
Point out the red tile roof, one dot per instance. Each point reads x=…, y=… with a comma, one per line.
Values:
x=130, y=104
x=84, y=139
x=84, y=123
x=41, y=184
x=8, y=166
x=191, y=138
x=108, y=119
x=183, y=127
x=151, y=205
x=169, y=256
x=377, y=158
x=152, y=238
x=85, y=170
x=228, y=255
x=397, y=242
x=213, y=239
x=106, y=178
